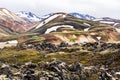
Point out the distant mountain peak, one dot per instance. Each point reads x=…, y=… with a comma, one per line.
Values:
x=29, y=15
x=82, y=16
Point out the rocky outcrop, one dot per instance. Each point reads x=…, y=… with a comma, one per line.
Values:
x=100, y=46
x=54, y=70
x=50, y=48
x=46, y=46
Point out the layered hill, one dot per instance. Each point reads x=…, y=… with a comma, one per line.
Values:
x=34, y=18
x=108, y=20
x=37, y=59
x=64, y=27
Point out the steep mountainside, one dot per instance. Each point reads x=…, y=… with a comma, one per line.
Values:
x=60, y=27
x=29, y=15
x=70, y=29
x=32, y=17
x=11, y=21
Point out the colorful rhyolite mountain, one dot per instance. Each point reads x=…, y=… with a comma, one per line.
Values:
x=58, y=27
x=65, y=27
x=10, y=21
x=34, y=18
x=107, y=20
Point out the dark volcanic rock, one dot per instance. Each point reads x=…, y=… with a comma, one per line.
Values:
x=56, y=70
x=105, y=76
x=63, y=44
x=47, y=46
x=97, y=47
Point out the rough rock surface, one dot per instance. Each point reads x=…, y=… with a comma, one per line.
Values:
x=54, y=70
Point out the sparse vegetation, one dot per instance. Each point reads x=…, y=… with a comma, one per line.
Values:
x=13, y=55
x=83, y=56
x=34, y=39
x=77, y=61
x=72, y=39
x=16, y=36
x=70, y=55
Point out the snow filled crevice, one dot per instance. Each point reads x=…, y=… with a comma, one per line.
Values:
x=47, y=20
x=54, y=28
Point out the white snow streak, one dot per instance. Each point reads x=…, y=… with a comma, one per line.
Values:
x=54, y=28
x=116, y=24
x=108, y=22
x=47, y=20
x=86, y=29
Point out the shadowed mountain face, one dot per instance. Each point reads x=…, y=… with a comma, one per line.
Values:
x=10, y=22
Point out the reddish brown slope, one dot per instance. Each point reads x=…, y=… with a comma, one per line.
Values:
x=11, y=20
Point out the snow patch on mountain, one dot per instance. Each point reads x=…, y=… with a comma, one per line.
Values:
x=47, y=20
x=108, y=20
x=105, y=20
x=83, y=16
x=86, y=29
x=116, y=24
x=29, y=15
x=54, y=28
